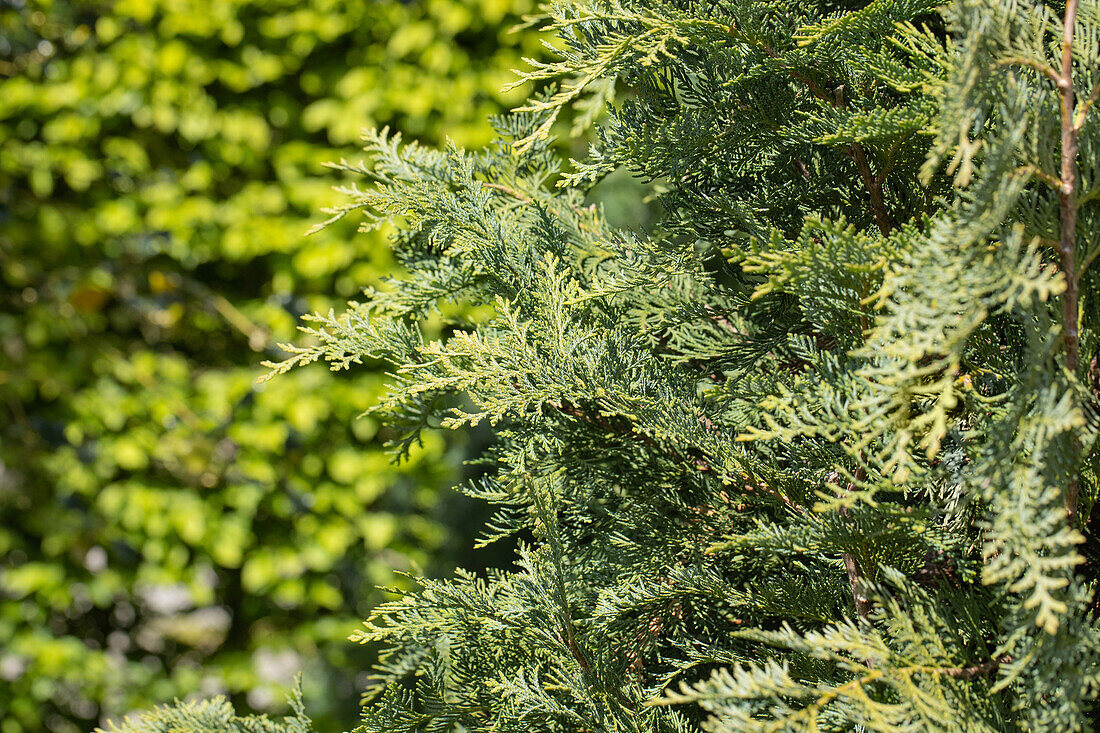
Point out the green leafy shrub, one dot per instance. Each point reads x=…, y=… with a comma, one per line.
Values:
x=166, y=526
x=816, y=452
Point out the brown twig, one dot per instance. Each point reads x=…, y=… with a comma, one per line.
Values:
x=508, y=190
x=1066, y=245
x=967, y=673
x=565, y=634
x=874, y=188
x=1036, y=172
x=1044, y=69
x=857, y=585
x=699, y=464
x=1082, y=111
x=855, y=150
x=857, y=576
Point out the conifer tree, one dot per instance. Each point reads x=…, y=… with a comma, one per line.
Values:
x=816, y=452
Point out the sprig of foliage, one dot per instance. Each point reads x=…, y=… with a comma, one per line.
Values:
x=212, y=716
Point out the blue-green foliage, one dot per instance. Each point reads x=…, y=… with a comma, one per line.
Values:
x=814, y=452
x=212, y=716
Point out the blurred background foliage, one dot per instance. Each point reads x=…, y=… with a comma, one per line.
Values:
x=167, y=526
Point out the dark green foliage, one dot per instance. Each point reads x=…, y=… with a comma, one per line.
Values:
x=815, y=451
x=166, y=527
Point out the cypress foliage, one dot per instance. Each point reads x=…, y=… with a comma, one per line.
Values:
x=814, y=453
x=215, y=716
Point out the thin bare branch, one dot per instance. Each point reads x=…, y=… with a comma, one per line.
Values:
x=1067, y=242
x=1044, y=69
